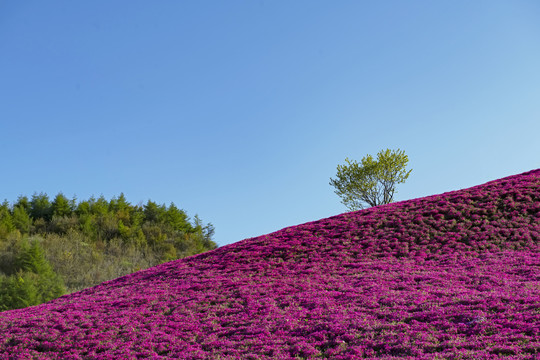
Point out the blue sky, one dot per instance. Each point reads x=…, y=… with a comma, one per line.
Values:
x=240, y=111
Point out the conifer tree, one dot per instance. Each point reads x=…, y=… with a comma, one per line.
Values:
x=32, y=259
x=40, y=207
x=34, y=281
x=118, y=204
x=61, y=206
x=6, y=220
x=21, y=219
x=18, y=291
x=99, y=206
x=177, y=219
x=23, y=202
x=154, y=212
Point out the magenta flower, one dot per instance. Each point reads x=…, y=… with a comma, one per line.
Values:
x=448, y=276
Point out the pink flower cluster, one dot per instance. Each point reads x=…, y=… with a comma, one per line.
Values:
x=450, y=276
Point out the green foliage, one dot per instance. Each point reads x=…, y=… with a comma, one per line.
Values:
x=107, y=226
x=177, y=219
x=118, y=204
x=23, y=202
x=86, y=243
x=18, y=291
x=371, y=182
x=34, y=280
x=99, y=206
x=154, y=212
x=87, y=226
x=83, y=208
x=30, y=258
x=61, y=206
x=63, y=224
x=6, y=220
x=21, y=219
x=41, y=207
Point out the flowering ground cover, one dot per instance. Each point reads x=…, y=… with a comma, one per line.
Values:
x=450, y=276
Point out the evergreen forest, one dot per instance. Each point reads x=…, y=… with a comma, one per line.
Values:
x=49, y=248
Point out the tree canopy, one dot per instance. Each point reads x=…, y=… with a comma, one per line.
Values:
x=49, y=247
x=371, y=182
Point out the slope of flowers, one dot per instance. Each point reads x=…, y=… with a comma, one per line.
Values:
x=450, y=276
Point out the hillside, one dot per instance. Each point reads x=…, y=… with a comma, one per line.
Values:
x=448, y=276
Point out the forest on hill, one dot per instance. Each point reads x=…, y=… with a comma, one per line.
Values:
x=53, y=247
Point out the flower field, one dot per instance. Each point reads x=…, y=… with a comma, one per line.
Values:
x=450, y=276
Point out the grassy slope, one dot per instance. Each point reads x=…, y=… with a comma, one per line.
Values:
x=455, y=275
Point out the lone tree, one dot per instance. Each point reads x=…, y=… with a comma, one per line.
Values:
x=371, y=182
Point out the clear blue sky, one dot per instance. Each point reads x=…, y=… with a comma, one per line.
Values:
x=240, y=111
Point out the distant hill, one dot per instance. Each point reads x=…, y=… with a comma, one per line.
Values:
x=450, y=276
